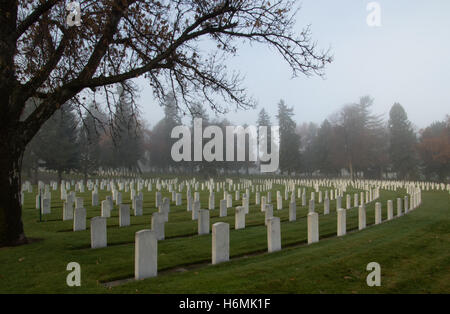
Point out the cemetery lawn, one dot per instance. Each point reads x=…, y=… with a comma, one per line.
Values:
x=413, y=251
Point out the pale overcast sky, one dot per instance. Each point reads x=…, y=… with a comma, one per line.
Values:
x=405, y=60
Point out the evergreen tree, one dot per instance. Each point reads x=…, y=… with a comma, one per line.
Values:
x=265, y=139
x=263, y=118
x=308, y=133
x=126, y=132
x=322, y=149
x=56, y=142
x=360, y=137
x=289, y=140
x=434, y=149
x=91, y=131
x=161, y=141
x=402, y=142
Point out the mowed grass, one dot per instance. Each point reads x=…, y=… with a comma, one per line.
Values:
x=413, y=251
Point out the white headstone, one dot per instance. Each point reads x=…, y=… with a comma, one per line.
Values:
x=362, y=217
x=223, y=208
x=138, y=210
x=106, y=209
x=165, y=208
x=211, y=204
x=292, y=211
x=45, y=206
x=399, y=207
x=98, y=232
x=279, y=201
x=341, y=222
x=79, y=219
x=220, y=242
x=326, y=206
x=311, y=205
x=67, y=210
x=203, y=221
x=119, y=198
x=273, y=234
x=158, y=225
x=94, y=198
x=313, y=228
x=158, y=199
x=268, y=212
x=377, y=213
x=239, y=220
x=229, y=201
x=390, y=210
x=338, y=202
x=124, y=215
x=146, y=254
x=263, y=203
x=195, y=210
x=406, y=204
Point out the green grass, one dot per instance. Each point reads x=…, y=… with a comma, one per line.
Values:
x=413, y=251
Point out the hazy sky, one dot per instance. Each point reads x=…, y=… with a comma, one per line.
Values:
x=405, y=60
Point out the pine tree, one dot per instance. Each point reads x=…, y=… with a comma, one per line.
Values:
x=126, y=132
x=289, y=140
x=60, y=132
x=434, y=149
x=360, y=137
x=265, y=139
x=161, y=141
x=322, y=149
x=402, y=141
x=91, y=131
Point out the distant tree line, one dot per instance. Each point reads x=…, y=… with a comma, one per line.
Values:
x=88, y=142
x=362, y=144
x=352, y=142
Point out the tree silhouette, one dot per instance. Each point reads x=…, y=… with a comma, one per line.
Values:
x=118, y=40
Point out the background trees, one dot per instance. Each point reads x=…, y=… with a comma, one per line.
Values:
x=360, y=135
x=61, y=131
x=352, y=139
x=118, y=40
x=264, y=120
x=357, y=141
x=289, y=139
x=126, y=134
x=322, y=152
x=434, y=150
x=402, y=143
x=90, y=133
x=160, y=141
x=87, y=144
x=307, y=132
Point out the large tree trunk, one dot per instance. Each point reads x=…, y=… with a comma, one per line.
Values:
x=11, y=227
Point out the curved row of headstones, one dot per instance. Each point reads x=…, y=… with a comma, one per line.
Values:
x=146, y=247
x=146, y=255
x=336, y=187
x=73, y=206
